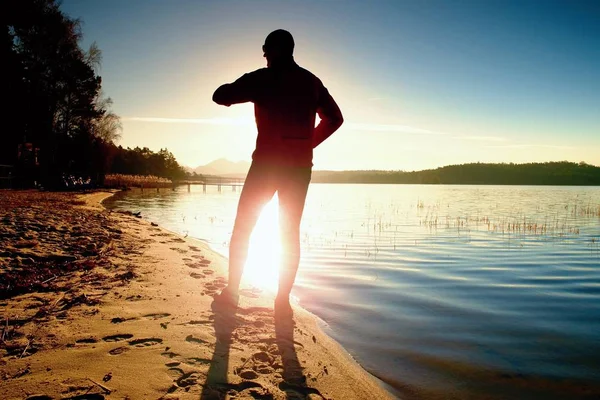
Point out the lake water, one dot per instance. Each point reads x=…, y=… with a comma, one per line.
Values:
x=440, y=291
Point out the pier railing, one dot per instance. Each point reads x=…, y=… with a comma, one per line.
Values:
x=218, y=181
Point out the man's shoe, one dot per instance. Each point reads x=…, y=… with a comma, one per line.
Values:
x=227, y=298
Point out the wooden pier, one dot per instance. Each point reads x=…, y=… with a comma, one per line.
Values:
x=218, y=181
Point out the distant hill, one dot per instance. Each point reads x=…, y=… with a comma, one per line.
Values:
x=551, y=173
x=222, y=167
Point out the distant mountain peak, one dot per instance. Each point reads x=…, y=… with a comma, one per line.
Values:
x=223, y=166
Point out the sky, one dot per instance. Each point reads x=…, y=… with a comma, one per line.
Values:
x=421, y=84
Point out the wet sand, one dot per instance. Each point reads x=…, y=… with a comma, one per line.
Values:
x=104, y=305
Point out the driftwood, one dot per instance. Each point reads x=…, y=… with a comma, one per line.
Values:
x=106, y=390
x=5, y=330
x=50, y=279
x=25, y=350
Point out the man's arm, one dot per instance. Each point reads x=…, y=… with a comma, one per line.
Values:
x=331, y=117
x=240, y=91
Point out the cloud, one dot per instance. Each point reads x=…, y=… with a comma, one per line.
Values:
x=530, y=145
x=200, y=121
x=483, y=138
x=390, y=128
x=246, y=121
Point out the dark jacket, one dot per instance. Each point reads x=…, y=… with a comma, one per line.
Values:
x=286, y=100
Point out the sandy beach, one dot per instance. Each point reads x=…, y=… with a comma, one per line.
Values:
x=105, y=305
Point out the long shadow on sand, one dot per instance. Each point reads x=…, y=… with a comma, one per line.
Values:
x=225, y=322
x=229, y=325
x=294, y=380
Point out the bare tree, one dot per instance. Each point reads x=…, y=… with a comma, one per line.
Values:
x=93, y=57
x=108, y=127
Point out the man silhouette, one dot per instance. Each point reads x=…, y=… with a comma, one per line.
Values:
x=286, y=100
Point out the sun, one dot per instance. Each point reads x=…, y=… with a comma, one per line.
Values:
x=264, y=253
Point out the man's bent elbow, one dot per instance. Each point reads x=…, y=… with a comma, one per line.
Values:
x=338, y=121
x=219, y=97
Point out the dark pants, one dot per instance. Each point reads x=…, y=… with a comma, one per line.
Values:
x=262, y=181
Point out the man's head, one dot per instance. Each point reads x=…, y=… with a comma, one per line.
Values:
x=279, y=45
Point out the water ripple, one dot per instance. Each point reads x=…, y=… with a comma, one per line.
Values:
x=459, y=291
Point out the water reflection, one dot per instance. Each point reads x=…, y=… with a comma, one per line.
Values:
x=493, y=287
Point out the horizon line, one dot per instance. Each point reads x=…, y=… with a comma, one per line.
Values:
x=401, y=170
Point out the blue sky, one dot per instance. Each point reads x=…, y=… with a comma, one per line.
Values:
x=421, y=83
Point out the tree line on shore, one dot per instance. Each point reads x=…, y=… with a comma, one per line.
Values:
x=57, y=119
x=549, y=173
x=143, y=161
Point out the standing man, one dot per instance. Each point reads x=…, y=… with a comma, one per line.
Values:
x=286, y=100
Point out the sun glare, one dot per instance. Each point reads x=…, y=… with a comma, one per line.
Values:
x=262, y=265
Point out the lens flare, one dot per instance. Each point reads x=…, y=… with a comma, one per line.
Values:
x=262, y=265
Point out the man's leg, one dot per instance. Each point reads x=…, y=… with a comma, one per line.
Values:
x=258, y=189
x=292, y=190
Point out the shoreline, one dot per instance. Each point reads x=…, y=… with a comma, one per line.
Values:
x=320, y=324
x=151, y=317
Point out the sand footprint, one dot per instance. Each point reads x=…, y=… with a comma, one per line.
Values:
x=197, y=361
x=145, y=342
x=87, y=340
x=198, y=322
x=248, y=374
x=177, y=360
x=173, y=364
x=219, y=284
x=260, y=363
x=163, y=234
x=156, y=315
x=93, y=396
x=175, y=372
x=152, y=316
x=169, y=354
x=119, y=320
x=213, y=287
x=118, y=337
x=201, y=259
x=138, y=297
x=183, y=379
x=189, y=378
x=192, y=339
x=118, y=350
x=300, y=391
